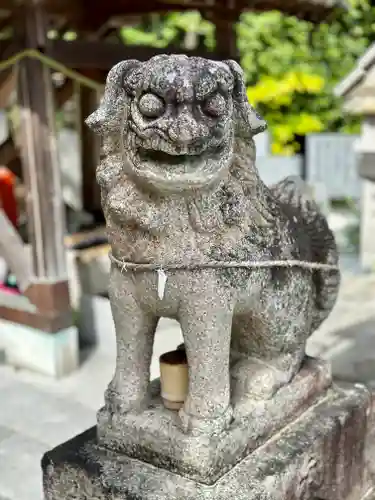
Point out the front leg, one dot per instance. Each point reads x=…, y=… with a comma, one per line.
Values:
x=135, y=330
x=206, y=319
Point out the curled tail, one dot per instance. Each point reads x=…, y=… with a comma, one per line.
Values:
x=292, y=192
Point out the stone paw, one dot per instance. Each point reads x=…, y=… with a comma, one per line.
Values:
x=196, y=426
x=116, y=403
x=256, y=380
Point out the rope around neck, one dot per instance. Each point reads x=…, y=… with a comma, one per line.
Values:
x=213, y=264
x=132, y=266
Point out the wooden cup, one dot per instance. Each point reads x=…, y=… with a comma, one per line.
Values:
x=174, y=378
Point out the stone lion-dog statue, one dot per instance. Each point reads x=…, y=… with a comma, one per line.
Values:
x=197, y=236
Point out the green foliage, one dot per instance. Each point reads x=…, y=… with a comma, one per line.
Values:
x=291, y=67
x=161, y=31
x=303, y=63
x=272, y=94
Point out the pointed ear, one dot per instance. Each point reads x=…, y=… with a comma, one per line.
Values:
x=108, y=115
x=249, y=122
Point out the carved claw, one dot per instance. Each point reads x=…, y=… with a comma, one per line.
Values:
x=208, y=426
x=119, y=404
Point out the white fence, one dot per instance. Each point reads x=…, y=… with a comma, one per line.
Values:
x=331, y=161
x=330, y=165
x=274, y=168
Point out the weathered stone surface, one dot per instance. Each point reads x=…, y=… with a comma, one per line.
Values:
x=318, y=456
x=248, y=271
x=154, y=437
x=183, y=201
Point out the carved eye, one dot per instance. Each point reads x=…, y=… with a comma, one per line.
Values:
x=151, y=106
x=214, y=105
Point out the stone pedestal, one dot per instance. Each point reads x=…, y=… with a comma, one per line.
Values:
x=319, y=453
x=154, y=435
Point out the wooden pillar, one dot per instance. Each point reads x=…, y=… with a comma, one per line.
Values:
x=90, y=147
x=9, y=151
x=46, y=219
x=39, y=155
x=226, y=39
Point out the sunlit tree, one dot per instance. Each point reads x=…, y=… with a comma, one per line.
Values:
x=291, y=66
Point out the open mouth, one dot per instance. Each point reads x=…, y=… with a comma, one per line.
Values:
x=163, y=167
x=178, y=163
x=162, y=158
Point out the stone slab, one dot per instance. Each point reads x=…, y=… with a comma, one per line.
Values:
x=45, y=418
x=154, y=435
x=52, y=354
x=20, y=477
x=5, y=433
x=319, y=455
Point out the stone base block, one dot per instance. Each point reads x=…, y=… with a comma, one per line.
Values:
x=52, y=354
x=155, y=436
x=320, y=455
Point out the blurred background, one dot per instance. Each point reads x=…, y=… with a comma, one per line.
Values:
x=309, y=67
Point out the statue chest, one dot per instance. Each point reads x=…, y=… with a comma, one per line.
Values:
x=148, y=228
x=141, y=228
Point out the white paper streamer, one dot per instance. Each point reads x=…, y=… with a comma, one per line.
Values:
x=162, y=280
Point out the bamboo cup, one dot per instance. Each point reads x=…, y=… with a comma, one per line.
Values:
x=174, y=378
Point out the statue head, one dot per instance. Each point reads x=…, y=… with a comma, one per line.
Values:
x=176, y=119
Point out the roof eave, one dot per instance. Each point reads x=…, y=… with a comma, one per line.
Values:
x=354, y=78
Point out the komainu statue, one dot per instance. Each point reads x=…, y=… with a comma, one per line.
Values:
x=248, y=271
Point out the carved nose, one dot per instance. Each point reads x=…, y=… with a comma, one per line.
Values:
x=184, y=130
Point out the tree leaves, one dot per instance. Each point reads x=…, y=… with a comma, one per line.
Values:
x=290, y=66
